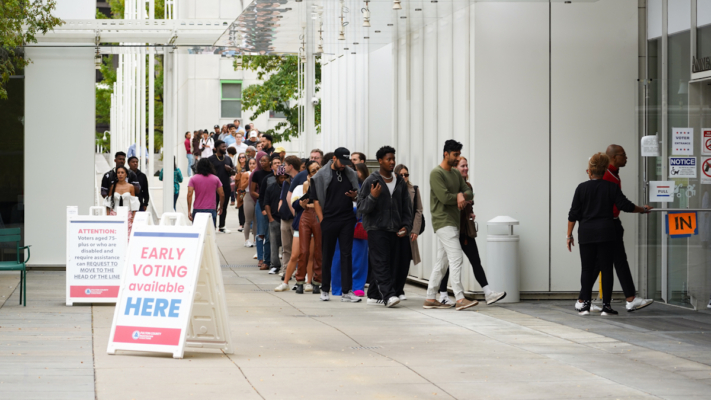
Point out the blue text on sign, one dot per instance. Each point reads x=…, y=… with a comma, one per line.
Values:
x=151, y=307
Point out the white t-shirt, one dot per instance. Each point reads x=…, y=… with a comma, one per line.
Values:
x=242, y=148
x=209, y=144
x=391, y=185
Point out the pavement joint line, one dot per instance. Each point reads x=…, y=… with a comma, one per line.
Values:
x=243, y=374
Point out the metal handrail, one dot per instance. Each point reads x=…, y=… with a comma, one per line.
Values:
x=679, y=209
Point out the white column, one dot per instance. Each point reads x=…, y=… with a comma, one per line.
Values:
x=170, y=125
x=309, y=82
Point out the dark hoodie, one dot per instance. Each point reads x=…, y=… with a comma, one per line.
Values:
x=388, y=212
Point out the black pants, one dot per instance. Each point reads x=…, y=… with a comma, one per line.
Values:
x=403, y=256
x=337, y=230
x=596, y=258
x=227, y=190
x=472, y=251
x=622, y=267
x=241, y=216
x=384, y=260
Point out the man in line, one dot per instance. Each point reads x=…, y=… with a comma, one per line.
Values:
x=271, y=206
x=252, y=141
x=110, y=177
x=334, y=189
x=238, y=145
x=264, y=181
x=208, y=190
x=384, y=201
x=316, y=155
x=618, y=159
x=229, y=137
x=281, y=151
x=251, y=152
x=267, y=146
x=237, y=124
x=217, y=133
x=142, y=194
x=357, y=158
x=223, y=169
x=449, y=194
x=291, y=164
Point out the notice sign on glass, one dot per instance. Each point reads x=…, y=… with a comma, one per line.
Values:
x=683, y=141
x=682, y=167
x=706, y=141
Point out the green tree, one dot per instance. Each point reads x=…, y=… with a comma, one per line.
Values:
x=20, y=21
x=280, y=76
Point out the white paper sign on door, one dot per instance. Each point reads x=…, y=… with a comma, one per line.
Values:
x=682, y=167
x=706, y=141
x=683, y=141
x=661, y=191
x=650, y=146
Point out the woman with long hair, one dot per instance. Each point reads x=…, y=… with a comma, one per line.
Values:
x=177, y=179
x=263, y=246
x=308, y=226
x=412, y=252
x=248, y=206
x=468, y=243
x=122, y=194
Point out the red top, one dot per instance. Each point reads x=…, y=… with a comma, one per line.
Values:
x=613, y=175
x=187, y=146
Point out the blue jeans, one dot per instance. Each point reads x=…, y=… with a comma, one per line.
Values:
x=211, y=212
x=191, y=160
x=264, y=248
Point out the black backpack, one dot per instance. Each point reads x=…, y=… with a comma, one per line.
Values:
x=422, y=226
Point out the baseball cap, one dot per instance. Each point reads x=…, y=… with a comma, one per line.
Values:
x=343, y=155
x=279, y=149
x=216, y=126
x=252, y=134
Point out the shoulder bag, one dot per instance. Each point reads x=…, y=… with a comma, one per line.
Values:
x=414, y=210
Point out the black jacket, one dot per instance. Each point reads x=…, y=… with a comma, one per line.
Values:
x=388, y=213
x=143, y=195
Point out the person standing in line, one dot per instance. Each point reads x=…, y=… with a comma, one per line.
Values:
x=143, y=195
x=241, y=179
x=264, y=168
x=232, y=154
x=316, y=155
x=467, y=238
x=281, y=152
x=334, y=188
x=177, y=179
x=291, y=164
x=618, y=159
x=251, y=152
x=206, y=145
x=593, y=203
x=271, y=206
x=196, y=147
x=110, y=177
x=251, y=139
x=384, y=201
x=308, y=227
x=229, y=138
x=357, y=158
x=189, y=153
x=267, y=180
x=122, y=194
x=267, y=144
x=237, y=123
x=327, y=158
x=238, y=144
x=224, y=170
x=410, y=250
x=208, y=190
x=250, y=221
x=449, y=195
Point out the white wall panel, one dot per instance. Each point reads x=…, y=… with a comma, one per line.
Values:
x=59, y=87
x=512, y=129
x=75, y=9
x=589, y=114
x=379, y=102
x=679, y=16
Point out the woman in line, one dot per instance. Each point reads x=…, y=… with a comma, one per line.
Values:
x=177, y=179
x=467, y=235
x=189, y=153
x=308, y=226
x=241, y=180
x=250, y=222
x=122, y=194
x=593, y=203
x=299, y=202
x=264, y=168
x=197, y=135
x=412, y=252
x=232, y=152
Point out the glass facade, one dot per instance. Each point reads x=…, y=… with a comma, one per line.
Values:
x=12, y=146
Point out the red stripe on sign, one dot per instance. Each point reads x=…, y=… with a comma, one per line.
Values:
x=93, y=291
x=146, y=335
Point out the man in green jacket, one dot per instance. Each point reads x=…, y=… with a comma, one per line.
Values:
x=449, y=194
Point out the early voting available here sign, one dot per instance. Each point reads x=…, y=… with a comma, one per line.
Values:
x=682, y=141
x=172, y=293
x=706, y=141
x=96, y=245
x=682, y=167
x=661, y=191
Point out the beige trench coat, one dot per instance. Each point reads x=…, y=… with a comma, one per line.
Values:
x=417, y=223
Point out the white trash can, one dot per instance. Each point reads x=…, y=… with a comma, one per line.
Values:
x=502, y=267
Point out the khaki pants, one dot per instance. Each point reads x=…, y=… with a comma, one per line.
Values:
x=287, y=237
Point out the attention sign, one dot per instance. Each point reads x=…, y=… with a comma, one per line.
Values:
x=681, y=224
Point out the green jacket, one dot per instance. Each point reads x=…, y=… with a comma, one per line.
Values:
x=177, y=178
x=444, y=188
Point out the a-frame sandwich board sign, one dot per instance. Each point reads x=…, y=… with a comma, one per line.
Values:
x=172, y=295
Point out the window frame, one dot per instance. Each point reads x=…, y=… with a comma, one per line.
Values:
x=230, y=81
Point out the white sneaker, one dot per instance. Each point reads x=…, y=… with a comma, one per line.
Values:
x=403, y=297
x=393, y=301
x=638, y=304
x=249, y=243
x=325, y=296
x=273, y=271
x=709, y=305
x=281, y=274
x=308, y=287
x=255, y=256
x=283, y=287
x=444, y=298
x=493, y=297
x=579, y=306
x=281, y=256
x=350, y=297
x=374, y=302
x=224, y=230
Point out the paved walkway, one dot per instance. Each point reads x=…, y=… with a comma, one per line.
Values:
x=295, y=346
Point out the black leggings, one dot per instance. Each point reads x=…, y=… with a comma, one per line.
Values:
x=472, y=251
x=596, y=258
x=241, y=215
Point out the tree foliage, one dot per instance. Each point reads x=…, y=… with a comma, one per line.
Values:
x=280, y=76
x=20, y=22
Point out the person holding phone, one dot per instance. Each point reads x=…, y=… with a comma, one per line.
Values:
x=384, y=201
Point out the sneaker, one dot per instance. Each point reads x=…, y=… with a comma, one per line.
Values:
x=299, y=288
x=374, y=302
x=639, y=303
x=281, y=256
x=240, y=230
x=273, y=271
x=593, y=307
x=350, y=297
x=283, y=287
x=607, y=310
x=255, y=256
x=281, y=274
x=709, y=305
x=444, y=298
x=249, y=243
x=359, y=293
x=308, y=287
x=402, y=297
x=295, y=287
x=316, y=289
x=463, y=304
x=584, y=308
x=429, y=304
x=392, y=302
x=224, y=230
x=493, y=297
x=325, y=296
